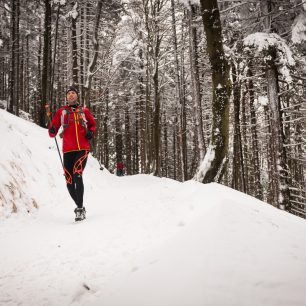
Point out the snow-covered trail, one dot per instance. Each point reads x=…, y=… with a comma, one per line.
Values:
x=150, y=241
x=147, y=241
x=48, y=259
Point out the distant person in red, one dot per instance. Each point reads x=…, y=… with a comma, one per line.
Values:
x=120, y=168
x=78, y=128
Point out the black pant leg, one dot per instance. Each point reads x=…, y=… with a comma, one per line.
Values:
x=78, y=168
x=69, y=159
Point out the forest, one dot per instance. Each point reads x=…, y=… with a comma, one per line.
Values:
x=203, y=89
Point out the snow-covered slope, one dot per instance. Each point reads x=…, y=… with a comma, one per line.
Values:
x=147, y=241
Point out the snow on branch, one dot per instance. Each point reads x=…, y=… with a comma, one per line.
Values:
x=60, y=2
x=262, y=43
x=299, y=29
x=187, y=2
x=73, y=13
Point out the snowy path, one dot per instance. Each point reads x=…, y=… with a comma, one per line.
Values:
x=47, y=259
x=147, y=241
x=150, y=241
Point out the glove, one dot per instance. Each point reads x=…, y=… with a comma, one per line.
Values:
x=52, y=130
x=88, y=135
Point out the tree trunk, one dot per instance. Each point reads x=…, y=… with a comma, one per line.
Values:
x=215, y=159
x=255, y=154
x=195, y=77
x=156, y=116
x=54, y=56
x=127, y=146
x=118, y=137
x=12, y=78
x=280, y=173
x=238, y=181
x=75, y=67
x=18, y=78
x=91, y=67
x=46, y=63
x=105, y=131
x=178, y=95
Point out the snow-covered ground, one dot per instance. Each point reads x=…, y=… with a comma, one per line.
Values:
x=147, y=241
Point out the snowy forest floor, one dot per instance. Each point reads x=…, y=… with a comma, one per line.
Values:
x=147, y=241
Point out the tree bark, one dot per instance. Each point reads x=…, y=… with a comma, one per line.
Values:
x=195, y=77
x=46, y=63
x=257, y=182
x=178, y=95
x=54, y=56
x=280, y=173
x=238, y=178
x=12, y=78
x=215, y=159
x=75, y=67
x=91, y=67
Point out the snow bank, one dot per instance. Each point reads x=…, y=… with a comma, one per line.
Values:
x=30, y=166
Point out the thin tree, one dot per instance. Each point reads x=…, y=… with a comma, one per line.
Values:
x=46, y=62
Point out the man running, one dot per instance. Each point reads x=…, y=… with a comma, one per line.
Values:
x=78, y=128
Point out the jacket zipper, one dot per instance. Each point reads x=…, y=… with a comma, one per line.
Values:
x=76, y=131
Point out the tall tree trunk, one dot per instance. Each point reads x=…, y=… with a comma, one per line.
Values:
x=92, y=65
x=195, y=77
x=12, y=78
x=22, y=78
x=280, y=175
x=18, y=79
x=166, y=148
x=27, y=77
x=174, y=152
x=266, y=8
x=156, y=116
x=255, y=153
x=128, y=147
x=105, y=130
x=178, y=94
x=244, y=143
x=156, y=120
x=213, y=166
x=54, y=56
x=38, y=98
x=142, y=109
x=148, y=111
x=238, y=179
x=46, y=63
x=118, y=137
x=82, y=52
x=75, y=67
x=183, y=100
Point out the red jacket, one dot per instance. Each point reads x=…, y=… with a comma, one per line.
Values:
x=75, y=125
x=120, y=166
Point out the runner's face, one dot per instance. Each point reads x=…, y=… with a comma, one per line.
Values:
x=71, y=97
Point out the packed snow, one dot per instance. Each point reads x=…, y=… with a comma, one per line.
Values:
x=147, y=241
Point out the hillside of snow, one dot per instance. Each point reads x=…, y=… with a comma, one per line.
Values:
x=146, y=241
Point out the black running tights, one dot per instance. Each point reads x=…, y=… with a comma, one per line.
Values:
x=74, y=164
